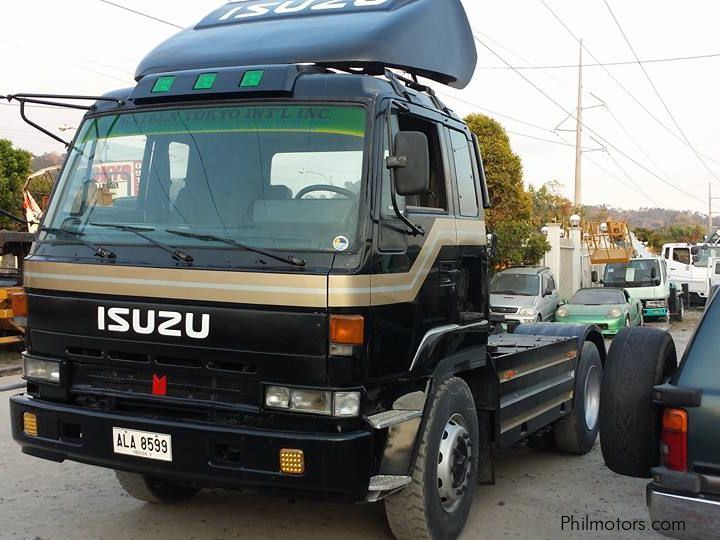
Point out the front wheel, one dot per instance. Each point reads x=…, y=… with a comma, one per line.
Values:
x=436, y=504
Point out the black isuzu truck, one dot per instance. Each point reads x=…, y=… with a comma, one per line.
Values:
x=266, y=267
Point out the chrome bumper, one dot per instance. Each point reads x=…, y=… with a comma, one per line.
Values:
x=701, y=516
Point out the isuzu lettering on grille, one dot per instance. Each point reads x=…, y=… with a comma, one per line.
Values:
x=150, y=321
x=258, y=9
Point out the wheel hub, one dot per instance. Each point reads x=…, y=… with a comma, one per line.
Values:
x=592, y=398
x=454, y=463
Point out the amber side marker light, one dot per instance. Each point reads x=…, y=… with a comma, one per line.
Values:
x=292, y=461
x=30, y=426
x=19, y=304
x=347, y=329
x=673, y=445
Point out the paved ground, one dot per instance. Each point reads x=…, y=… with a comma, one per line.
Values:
x=47, y=501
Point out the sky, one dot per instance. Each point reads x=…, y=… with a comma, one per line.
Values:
x=632, y=160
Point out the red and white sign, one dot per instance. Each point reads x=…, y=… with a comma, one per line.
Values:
x=121, y=178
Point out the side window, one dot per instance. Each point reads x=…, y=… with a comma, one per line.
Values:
x=466, y=185
x=435, y=199
x=551, y=283
x=179, y=155
x=681, y=255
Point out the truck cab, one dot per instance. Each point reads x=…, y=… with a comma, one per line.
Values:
x=687, y=266
x=273, y=274
x=647, y=280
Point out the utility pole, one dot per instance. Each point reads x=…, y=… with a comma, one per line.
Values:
x=578, y=135
x=710, y=211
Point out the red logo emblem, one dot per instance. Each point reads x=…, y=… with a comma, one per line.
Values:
x=159, y=385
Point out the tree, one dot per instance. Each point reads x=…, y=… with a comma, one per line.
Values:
x=549, y=205
x=14, y=170
x=510, y=218
x=48, y=159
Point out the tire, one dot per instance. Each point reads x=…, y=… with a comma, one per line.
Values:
x=639, y=359
x=154, y=490
x=680, y=311
x=418, y=512
x=577, y=432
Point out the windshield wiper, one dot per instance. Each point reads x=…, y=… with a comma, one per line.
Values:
x=231, y=242
x=177, y=254
x=76, y=235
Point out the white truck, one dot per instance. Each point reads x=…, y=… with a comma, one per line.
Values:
x=690, y=264
x=648, y=280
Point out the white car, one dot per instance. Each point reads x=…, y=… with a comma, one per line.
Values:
x=526, y=294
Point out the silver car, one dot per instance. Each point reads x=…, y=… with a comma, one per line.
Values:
x=525, y=294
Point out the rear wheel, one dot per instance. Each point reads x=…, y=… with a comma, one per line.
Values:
x=577, y=432
x=639, y=359
x=154, y=490
x=437, y=503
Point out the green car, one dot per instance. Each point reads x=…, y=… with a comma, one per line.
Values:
x=610, y=309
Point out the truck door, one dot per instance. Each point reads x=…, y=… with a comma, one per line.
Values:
x=469, y=213
x=714, y=266
x=414, y=277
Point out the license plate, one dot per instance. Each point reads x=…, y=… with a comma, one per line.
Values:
x=142, y=444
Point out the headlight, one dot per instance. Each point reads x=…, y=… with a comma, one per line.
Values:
x=41, y=370
x=346, y=404
x=562, y=313
x=526, y=312
x=656, y=304
x=614, y=313
x=301, y=400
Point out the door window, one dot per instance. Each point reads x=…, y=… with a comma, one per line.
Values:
x=551, y=283
x=682, y=255
x=464, y=174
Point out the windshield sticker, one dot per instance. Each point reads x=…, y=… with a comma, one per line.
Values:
x=331, y=120
x=629, y=274
x=341, y=243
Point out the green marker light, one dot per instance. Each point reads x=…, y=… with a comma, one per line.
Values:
x=205, y=81
x=163, y=84
x=252, y=78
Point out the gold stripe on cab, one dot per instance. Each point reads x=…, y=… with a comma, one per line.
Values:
x=257, y=288
x=180, y=284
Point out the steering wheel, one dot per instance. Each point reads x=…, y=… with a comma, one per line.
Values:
x=322, y=187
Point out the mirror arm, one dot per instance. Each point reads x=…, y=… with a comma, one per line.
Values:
x=415, y=230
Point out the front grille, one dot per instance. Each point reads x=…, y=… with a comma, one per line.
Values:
x=504, y=310
x=140, y=383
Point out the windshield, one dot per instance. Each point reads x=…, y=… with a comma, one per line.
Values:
x=515, y=284
x=637, y=273
x=598, y=297
x=283, y=177
x=706, y=253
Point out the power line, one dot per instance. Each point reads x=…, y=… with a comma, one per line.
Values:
x=610, y=64
x=631, y=179
x=494, y=113
x=615, y=80
x=657, y=93
x=591, y=130
x=562, y=143
x=142, y=14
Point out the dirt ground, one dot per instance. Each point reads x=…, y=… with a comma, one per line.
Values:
x=534, y=490
x=9, y=358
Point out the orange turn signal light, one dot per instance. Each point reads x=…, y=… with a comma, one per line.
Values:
x=347, y=329
x=30, y=424
x=292, y=461
x=675, y=420
x=19, y=304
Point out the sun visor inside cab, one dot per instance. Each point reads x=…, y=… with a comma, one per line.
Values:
x=430, y=38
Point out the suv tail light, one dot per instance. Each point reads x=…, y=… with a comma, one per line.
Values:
x=673, y=446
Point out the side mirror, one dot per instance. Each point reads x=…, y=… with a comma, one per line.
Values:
x=491, y=245
x=657, y=282
x=653, y=273
x=695, y=259
x=694, y=250
x=411, y=163
x=595, y=278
